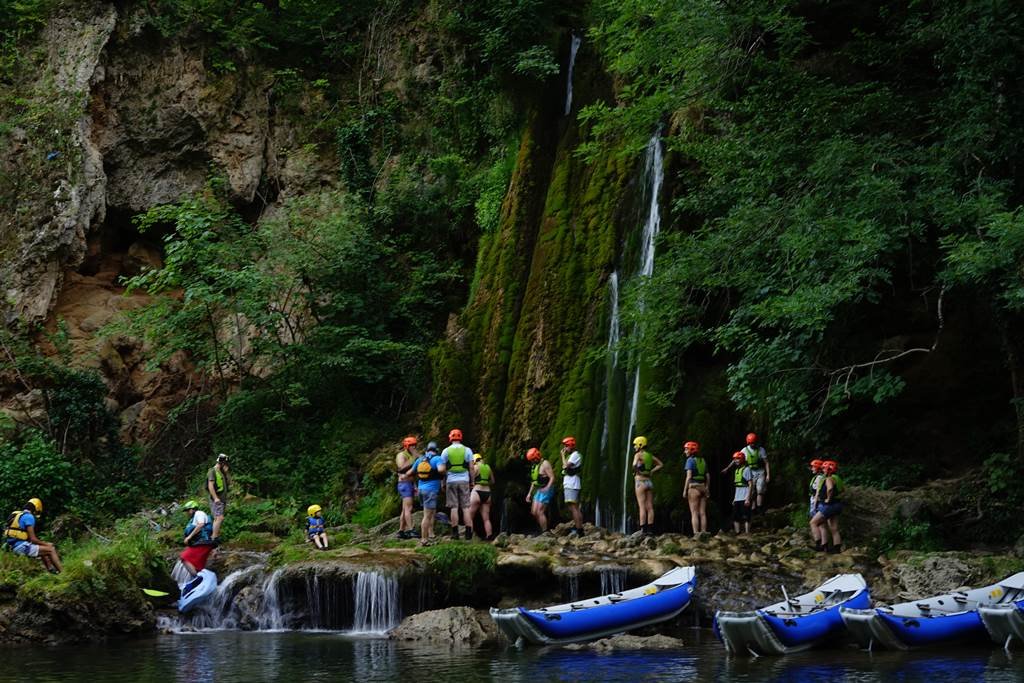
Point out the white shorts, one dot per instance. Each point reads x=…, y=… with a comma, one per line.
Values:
x=571, y=495
x=27, y=549
x=757, y=476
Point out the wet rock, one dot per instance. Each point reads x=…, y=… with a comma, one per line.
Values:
x=628, y=642
x=454, y=626
x=919, y=578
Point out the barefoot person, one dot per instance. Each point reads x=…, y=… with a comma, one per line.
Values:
x=644, y=465
x=695, y=488
x=218, y=482
x=542, y=482
x=480, y=498
x=572, y=464
x=20, y=536
x=459, y=484
x=826, y=519
x=406, y=485
x=760, y=470
x=429, y=469
x=315, y=527
x=817, y=476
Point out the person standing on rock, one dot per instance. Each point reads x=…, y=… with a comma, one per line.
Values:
x=757, y=460
x=480, y=499
x=406, y=485
x=829, y=507
x=743, y=498
x=429, y=469
x=218, y=483
x=458, y=459
x=20, y=536
x=542, y=482
x=817, y=476
x=644, y=465
x=695, y=488
x=572, y=464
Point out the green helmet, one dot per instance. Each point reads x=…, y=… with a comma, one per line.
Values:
x=190, y=505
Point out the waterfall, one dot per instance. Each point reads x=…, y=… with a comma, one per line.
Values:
x=377, y=603
x=623, y=418
x=571, y=587
x=613, y=580
x=271, y=618
x=576, y=40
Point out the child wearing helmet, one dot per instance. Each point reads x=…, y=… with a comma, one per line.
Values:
x=743, y=497
x=20, y=536
x=644, y=465
x=572, y=464
x=542, y=482
x=315, y=527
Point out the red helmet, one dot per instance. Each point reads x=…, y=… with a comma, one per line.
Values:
x=569, y=442
x=409, y=441
x=751, y=438
x=738, y=455
x=455, y=435
x=816, y=464
x=829, y=466
x=691, y=444
x=533, y=455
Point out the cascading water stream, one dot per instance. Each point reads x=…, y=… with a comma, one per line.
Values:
x=377, y=603
x=613, y=580
x=271, y=618
x=576, y=40
x=613, y=364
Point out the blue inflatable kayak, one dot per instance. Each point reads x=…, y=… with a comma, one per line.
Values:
x=197, y=591
x=594, y=618
x=795, y=623
x=951, y=618
x=1004, y=623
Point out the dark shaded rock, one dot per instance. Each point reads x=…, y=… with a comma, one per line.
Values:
x=456, y=626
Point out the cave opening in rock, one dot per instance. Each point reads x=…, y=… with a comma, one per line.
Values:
x=118, y=249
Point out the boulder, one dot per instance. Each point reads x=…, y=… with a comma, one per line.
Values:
x=627, y=642
x=454, y=626
x=919, y=577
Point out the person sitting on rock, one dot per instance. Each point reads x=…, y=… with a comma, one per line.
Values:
x=829, y=507
x=20, y=536
x=199, y=530
x=429, y=469
x=572, y=464
x=817, y=476
x=743, y=498
x=542, y=482
x=406, y=485
x=315, y=527
x=480, y=499
x=695, y=488
x=644, y=465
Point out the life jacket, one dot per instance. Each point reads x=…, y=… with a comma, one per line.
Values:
x=738, y=479
x=457, y=459
x=218, y=480
x=837, y=487
x=753, y=457
x=314, y=525
x=646, y=465
x=13, y=533
x=541, y=480
x=425, y=470
x=700, y=473
x=205, y=535
x=483, y=474
x=572, y=470
x=816, y=481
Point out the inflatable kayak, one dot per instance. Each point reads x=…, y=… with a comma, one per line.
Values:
x=197, y=591
x=942, y=619
x=1004, y=623
x=593, y=618
x=795, y=623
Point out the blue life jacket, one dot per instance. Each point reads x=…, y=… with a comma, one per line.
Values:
x=314, y=525
x=203, y=536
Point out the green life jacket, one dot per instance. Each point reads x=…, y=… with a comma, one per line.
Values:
x=738, y=479
x=700, y=475
x=540, y=480
x=457, y=459
x=647, y=463
x=218, y=477
x=483, y=474
x=816, y=482
x=753, y=457
x=837, y=487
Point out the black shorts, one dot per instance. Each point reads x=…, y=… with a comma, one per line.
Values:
x=740, y=511
x=484, y=496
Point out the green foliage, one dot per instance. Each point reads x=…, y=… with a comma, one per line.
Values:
x=463, y=568
x=900, y=534
x=883, y=474
x=31, y=466
x=380, y=505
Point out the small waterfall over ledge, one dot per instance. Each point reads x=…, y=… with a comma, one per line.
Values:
x=573, y=49
x=377, y=603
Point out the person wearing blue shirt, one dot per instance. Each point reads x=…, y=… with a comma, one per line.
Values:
x=315, y=527
x=20, y=536
x=430, y=470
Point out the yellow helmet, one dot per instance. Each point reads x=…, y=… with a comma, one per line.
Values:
x=313, y=509
x=640, y=442
x=37, y=504
x=477, y=457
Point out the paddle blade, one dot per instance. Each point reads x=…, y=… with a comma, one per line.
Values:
x=154, y=593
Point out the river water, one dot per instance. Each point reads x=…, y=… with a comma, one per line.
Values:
x=234, y=656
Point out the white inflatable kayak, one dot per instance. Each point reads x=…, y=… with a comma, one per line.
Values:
x=197, y=591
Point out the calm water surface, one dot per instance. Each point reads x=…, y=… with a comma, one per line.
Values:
x=307, y=657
